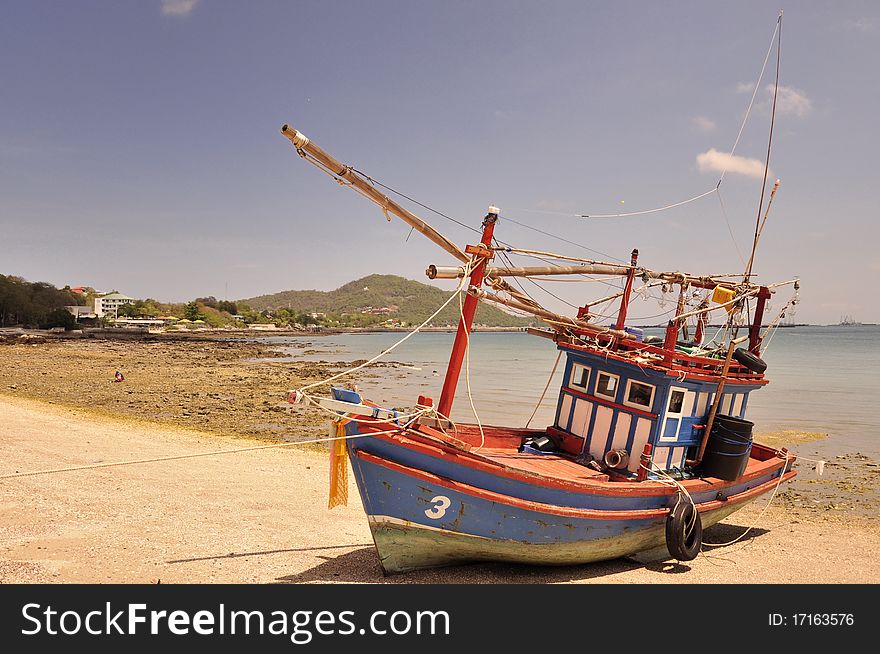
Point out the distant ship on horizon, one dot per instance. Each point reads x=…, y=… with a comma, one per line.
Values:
x=848, y=321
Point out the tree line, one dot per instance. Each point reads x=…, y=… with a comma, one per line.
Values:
x=35, y=304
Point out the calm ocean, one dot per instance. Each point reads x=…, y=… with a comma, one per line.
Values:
x=822, y=379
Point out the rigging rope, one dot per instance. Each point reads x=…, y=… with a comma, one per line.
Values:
x=777, y=31
x=558, y=238
x=647, y=211
x=186, y=456
x=769, y=144
x=467, y=370
x=547, y=386
x=461, y=287
x=754, y=92
x=760, y=515
x=376, y=182
x=730, y=229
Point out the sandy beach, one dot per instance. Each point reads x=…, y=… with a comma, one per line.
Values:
x=261, y=516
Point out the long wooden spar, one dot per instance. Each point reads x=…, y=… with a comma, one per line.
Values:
x=315, y=155
x=311, y=151
x=621, y=270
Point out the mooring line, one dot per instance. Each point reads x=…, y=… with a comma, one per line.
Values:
x=189, y=456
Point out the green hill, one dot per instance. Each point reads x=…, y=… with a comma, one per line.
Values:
x=415, y=302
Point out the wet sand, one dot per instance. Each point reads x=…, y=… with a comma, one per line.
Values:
x=205, y=384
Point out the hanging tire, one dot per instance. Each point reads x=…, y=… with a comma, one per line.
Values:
x=754, y=363
x=684, y=532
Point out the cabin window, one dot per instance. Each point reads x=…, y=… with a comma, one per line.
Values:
x=606, y=385
x=677, y=406
x=580, y=375
x=639, y=395
x=676, y=401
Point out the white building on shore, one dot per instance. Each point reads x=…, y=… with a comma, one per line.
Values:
x=108, y=305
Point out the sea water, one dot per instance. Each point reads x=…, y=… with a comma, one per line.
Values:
x=822, y=379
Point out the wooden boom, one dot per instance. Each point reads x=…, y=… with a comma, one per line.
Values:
x=317, y=156
x=620, y=270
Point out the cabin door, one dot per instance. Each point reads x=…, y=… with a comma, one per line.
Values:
x=679, y=405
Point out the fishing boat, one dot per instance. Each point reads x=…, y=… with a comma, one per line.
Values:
x=649, y=443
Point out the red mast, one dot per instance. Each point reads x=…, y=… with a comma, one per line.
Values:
x=453, y=371
x=755, y=329
x=627, y=291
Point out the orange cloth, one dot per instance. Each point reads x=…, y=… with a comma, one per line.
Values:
x=338, y=468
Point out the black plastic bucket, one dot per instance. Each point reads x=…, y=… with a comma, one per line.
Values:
x=728, y=448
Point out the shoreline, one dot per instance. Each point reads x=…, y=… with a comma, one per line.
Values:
x=238, y=388
x=261, y=517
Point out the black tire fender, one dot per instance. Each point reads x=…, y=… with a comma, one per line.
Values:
x=684, y=531
x=750, y=360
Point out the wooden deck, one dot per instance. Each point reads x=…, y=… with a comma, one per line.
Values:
x=548, y=465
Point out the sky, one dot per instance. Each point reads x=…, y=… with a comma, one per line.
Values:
x=140, y=147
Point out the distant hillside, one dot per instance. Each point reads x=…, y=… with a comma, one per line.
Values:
x=415, y=302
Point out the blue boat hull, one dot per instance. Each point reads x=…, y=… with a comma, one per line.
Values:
x=446, y=513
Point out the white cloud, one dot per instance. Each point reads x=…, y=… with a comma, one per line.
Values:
x=714, y=161
x=860, y=24
x=791, y=101
x=703, y=124
x=178, y=7
x=745, y=87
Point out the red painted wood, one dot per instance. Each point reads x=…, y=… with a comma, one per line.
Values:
x=453, y=370
x=552, y=509
x=755, y=329
x=571, y=443
x=644, y=462
x=709, y=369
x=627, y=291
x=546, y=464
x=432, y=447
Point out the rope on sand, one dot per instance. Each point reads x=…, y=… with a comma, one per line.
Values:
x=189, y=456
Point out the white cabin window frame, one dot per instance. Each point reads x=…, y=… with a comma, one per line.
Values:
x=637, y=405
x=675, y=415
x=613, y=396
x=575, y=369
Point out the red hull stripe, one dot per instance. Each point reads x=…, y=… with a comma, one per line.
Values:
x=569, y=512
x=475, y=461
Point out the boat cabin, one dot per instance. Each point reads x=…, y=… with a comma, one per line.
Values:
x=608, y=403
